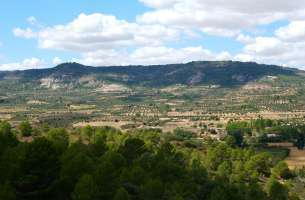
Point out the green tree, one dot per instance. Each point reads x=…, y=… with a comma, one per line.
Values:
x=294, y=196
x=75, y=168
x=181, y=134
x=88, y=132
x=217, y=155
x=132, y=149
x=25, y=129
x=260, y=163
x=107, y=179
x=39, y=168
x=5, y=128
x=281, y=170
x=98, y=147
x=219, y=193
x=300, y=143
x=116, y=159
x=238, y=137
x=9, y=163
x=230, y=140
x=199, y=177
x=255, y=192
x=7, y=138
x=85, y=189
x=224, y=169
x=152, y=190
x=7, y=192
x=136, y=176
x=276, y=190
x=121, y=194
x=60, y=138
x=45, y=127
x=238, y=130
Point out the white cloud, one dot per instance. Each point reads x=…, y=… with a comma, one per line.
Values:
x=223, y=56
x=284, y=48
x=158, y=3
x=273, y=50
x=32, y=20
x=248, y=6
x=245, y=39
x=106, y=40
x=57, y=61
x=221, y=17
x=151, y=56
x=220, y=32
x=29, y=63
x=294, y=32
x=26, y=33
x=243, y=57
x=265, y=46
x=1, y=44
x=98, y=32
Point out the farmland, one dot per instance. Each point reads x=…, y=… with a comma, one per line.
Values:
x=176, y=106
x=229, y=121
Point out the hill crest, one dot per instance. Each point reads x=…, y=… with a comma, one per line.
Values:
x=223, y=73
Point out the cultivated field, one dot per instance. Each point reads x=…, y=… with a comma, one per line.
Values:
x=296, y=158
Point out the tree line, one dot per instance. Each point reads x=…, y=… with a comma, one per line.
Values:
x=105, y=163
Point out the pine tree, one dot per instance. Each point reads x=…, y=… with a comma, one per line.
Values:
x=85, y=189
x=121, y=194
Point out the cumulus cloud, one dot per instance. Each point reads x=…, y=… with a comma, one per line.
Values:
x=102, y=39
x=158, y=3
x=266, y=46
x=29, y=63
x=243, y=57
x=105, y=40
x=294, y=32
x=221, y=17
x=273, y=50
x=57, y=61
x=98, y=31
x=285, y=47
x=26, y=33
x=245, y=39
x=151, y=56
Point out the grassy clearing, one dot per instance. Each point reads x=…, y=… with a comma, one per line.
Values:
x=277, y=153
x=295, y=157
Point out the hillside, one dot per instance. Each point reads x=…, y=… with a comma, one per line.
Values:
x=167, y=121
x=225, y=74
x=165, y=96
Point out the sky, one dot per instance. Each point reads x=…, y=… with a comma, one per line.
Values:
x=45, y=33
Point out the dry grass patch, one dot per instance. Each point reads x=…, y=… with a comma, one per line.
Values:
x=296, y=159
x=114, y=124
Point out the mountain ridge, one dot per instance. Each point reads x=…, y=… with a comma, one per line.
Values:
x=223, y=73
x=74, y=64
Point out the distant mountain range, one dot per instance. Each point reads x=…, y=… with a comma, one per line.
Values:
x=222, y=73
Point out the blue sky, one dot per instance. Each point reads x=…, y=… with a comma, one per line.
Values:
x=14, y=13
x=38, y=34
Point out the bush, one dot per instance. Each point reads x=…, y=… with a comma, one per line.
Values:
x=25, y=129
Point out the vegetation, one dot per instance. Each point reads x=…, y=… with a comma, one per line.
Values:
x=191, y=131
x=218, y=73
x=25, y=129
x=139, y=164
x=196, y=93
